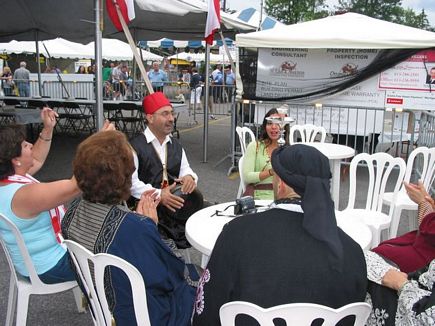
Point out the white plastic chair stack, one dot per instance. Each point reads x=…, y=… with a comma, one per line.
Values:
x=308, y=133
x=243, y=133
x=95, y=291
x=300, y=314
x=380, y=166
x=20, y=288
x=427, y=174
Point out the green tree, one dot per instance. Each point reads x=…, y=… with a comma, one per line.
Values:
x=380, y=9
x=295, y=11
x=410, y=18
x=388, y=10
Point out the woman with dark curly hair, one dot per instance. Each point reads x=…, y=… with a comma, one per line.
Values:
x=101, y=222
x=35, y=208
x=257, y=169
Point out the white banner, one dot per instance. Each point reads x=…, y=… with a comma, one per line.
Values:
x=290, y=72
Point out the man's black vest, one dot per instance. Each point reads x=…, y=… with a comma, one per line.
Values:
x=150, y=166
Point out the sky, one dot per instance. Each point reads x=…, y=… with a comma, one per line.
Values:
x=417, y=5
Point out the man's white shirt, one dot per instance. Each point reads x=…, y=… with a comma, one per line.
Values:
x=137, y=186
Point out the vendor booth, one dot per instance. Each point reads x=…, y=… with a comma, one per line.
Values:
x=341, y=72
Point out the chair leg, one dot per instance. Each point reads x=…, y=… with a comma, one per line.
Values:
x=78, y=296
x=395, y=220
x=204, y=261
x=240, y=191
x=376, y=237
x=22, y=307
x=12, y=302
x=186, y=256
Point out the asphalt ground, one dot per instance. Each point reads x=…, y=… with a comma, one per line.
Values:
x=214, y=182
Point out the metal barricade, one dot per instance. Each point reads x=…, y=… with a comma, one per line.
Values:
x=364, y=129
x=72, y=89
x=426, y=134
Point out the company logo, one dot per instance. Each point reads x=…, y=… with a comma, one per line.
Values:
x=287, y=69
x=288, y=66
x=347, y=70
x=392, y=100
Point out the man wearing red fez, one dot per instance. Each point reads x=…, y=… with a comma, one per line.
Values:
x=161, y=164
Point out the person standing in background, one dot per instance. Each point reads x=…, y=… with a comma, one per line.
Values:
x=22, y=80
x=230, y=82
x=157, y=77
x=7, y=82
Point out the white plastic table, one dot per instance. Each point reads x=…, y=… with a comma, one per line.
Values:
x=335, y=153
x=203, y=228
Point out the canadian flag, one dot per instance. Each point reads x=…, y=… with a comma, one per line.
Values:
x=127, y=10
x=213, y=20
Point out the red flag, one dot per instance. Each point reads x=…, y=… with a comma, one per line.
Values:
x=127, y=10
x=213, y=20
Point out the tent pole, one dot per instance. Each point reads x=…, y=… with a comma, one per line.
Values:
x=98, y=64
x=206, y=95
x=39, y=62
x=133, y=86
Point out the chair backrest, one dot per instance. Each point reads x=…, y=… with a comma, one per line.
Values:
x=34, y=278
x=243, y=133
x=380, y=166
x=301, y=314
x=93, y=282
x=308, y=133
x=426, y=166
x=242, y=179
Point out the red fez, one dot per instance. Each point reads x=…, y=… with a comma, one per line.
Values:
x=154, y=102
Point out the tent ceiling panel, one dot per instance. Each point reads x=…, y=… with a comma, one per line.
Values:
x=74, y=20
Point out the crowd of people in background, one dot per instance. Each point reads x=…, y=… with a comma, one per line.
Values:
x=118, y=81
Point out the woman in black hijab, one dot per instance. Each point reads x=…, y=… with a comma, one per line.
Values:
x=293, y=252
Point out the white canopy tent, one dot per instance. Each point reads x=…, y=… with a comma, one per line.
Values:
x=214, y=58
x=253, y=16
x=119, y=50
x=60, y=48
x=349, y=30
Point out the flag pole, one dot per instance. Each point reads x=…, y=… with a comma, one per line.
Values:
x=134, y=49
x=227, y=51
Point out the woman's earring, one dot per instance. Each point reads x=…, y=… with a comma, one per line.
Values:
x=18, y=163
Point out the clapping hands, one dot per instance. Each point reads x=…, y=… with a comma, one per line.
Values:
x=147, y=205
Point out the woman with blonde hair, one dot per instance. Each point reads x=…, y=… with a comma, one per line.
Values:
x=7, y=82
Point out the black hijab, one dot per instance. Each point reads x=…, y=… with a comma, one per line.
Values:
x=307, y=171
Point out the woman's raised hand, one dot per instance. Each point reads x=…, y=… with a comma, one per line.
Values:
x=108, y=126
x=48, y=117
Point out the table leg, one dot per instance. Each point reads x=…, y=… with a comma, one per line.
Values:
x=204, y=261
x=335, y=182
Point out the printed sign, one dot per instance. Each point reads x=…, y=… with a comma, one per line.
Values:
x=289, y=72
x=414, y=74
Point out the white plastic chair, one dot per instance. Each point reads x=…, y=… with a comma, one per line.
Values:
x=380, y=166
x=403, y=201
x=300, y=314
x=308, y=133
x=20, y=288
x=243, y=133
x=93, y=282
x=242, y=185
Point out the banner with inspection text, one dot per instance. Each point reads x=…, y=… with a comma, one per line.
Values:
x=289, y=72
x=285, y=72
